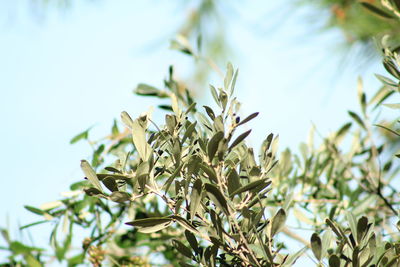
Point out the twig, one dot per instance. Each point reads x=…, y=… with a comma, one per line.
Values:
x=295, y=236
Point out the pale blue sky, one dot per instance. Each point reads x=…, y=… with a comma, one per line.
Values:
x=70, y=70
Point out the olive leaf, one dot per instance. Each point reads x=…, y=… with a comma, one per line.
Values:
x=239, y=139
x=120, y=197
x=126, y=119
x=148, y=90
x=376, y=11
x=334, y=261
x=91, y=175
x=278, y=221
x=357, y=119
x=139, y=140
x=248, y=118
x=216, y=196
x=151, y=225
x=316, y=245
x=260, y=184
x=110, y=183
x=195, y=198
x=233, y=182
x=185, y=224
x=212, y=145
x=182, y=248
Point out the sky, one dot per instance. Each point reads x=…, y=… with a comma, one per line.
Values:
x=64, y=71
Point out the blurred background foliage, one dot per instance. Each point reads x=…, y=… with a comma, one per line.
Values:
x=205, y=19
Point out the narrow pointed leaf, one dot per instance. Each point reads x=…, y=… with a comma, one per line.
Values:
x=342, y=131
x=32, y=224
x=334, y=261
x=110, y=183
x=249, y=118
x=126, y=119
x=228, y=76
x=103, y=176
x=190, y=129
x=239, y=139
x=339, y=233
x=151, y=225
x=362, y=226
x=278, y=221
x=215, y=95
x=212, y=145
x=80, y=136
x=139, y=140
x=191, y=238
x=376, y=11
x=388, y=129
x=148, y=90
x=233, y=182
x=316, y=246
x=94, y=192
x=351, y=219
x=253, y=185
x=184, y=250
x=216, y=196
x=35, y=210
x=120, y=197
x=91, y=175
x=357, y=119
x=210, y=112
x=172, y=177
x=393, y=106
x=185, y=224
x=195, y=198
x=233, y=84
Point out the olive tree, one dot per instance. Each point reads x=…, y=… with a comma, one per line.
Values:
x=191, y=191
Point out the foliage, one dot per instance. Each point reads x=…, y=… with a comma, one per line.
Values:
x=362, y=21
x=191, y=192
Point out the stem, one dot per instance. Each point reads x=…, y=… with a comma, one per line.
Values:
x=233, y=221
x=387, y=203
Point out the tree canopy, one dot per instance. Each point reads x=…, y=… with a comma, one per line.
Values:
x=192, y=192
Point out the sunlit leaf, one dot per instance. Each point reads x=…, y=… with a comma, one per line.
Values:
x=258, y=184
x=35, y=210
x=185, y=224
x=110, y=183
x=233, y=182
x=316, y=245
x=148, y=90
x=377, y=11
x=182, y=248
x=120, y=197
x=126, y=119
x=216, y=196
x=357, y=119
x=249, y=118
x=393, y=106
x=239, y=139
x=195, y=198
x=212, y=145
x=81, y=136
x=278, y=221
x=228, y=76
x=91, y=175
x=139, y=140
x=210, y=112
x=33, y=224
x=191, y=238
x=151, y=225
